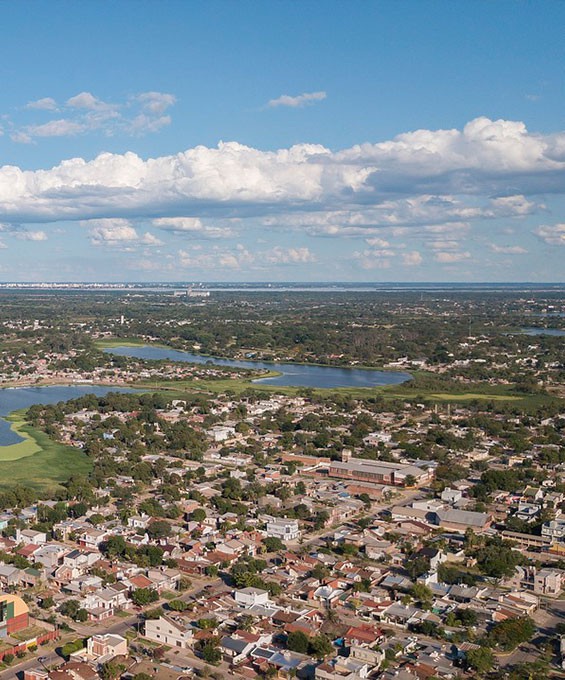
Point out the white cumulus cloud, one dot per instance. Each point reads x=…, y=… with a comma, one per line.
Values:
x=552, y=234
x=192, y=226
x=117, y=233
x=34, y=235
x=297, y=101
x=507, y=250
x=86, y=100
x=429, y=184
x=87, y=113
x=45, y=104
x=450, y=258
x=278, y=255
x=56, y=128
x=412, y=259
x=156, y=102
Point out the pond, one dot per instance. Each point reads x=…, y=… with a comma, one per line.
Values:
x=291, y=375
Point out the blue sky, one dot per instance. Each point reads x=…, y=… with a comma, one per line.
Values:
x=385, y=141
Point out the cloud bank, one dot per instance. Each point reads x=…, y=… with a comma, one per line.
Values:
x=430, y=185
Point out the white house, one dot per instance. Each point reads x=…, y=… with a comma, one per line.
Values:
x=139, y=521
x=554, y=529
x=102, y=648
x=548, y=582
x=31, y=537
x=283, y=528
x=220, y=433
x=248, y=597
x=172, y=631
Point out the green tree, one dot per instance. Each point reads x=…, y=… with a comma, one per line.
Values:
x=198, y=515
x=320, y=646
x=71, y=647
x=70, y=608
x=421, y=593
x=297, y=641
x=144, y=596
x=273, y=544
x=320, y=571
x=497, y=559
x=510, y=633
x=115, y=546
x=178, y=605
x=211, y=653
x=159, y=529
x=111, y=670
x=480, y=660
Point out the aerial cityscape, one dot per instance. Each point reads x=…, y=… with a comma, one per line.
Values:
x=282, y=330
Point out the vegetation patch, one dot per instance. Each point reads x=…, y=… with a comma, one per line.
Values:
x=45, y=469
x=22, y=449
x=112, y=343
x=466, y=396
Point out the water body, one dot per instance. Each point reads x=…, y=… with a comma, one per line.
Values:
x=543, y=331
x=16, y=398
x=292, y=375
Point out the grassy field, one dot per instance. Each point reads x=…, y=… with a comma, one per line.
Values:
x=468, y=396
x=503, y=394
x=44, y=469
x=425, y=386
x=110, y=343
x=22, y=449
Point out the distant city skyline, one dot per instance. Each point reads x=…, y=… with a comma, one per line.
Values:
x=321, y=141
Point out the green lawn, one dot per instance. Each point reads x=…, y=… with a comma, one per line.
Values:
x=240, y=385
x=46, y=468
x=22, y=449
x=110, y=343
x=466, y=396
x=477, y=392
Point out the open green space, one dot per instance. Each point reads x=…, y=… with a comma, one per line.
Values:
x=110, y=343
x=466, y=396
x=425, y=386
x=237, y=386
x=43, y=469
x=22, y=449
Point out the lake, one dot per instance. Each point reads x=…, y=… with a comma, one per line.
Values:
x=292, y=375
x=16, y=398
x=543, y=331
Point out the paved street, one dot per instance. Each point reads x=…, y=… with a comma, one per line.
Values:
x=118, y=626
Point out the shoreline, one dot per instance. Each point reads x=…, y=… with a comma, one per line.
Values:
x=286, y=362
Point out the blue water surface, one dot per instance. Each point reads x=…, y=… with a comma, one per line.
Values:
x=292, y=375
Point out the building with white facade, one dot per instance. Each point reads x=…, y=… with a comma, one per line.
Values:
x=285, y=529
x=249, y=597
x=173, y=631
